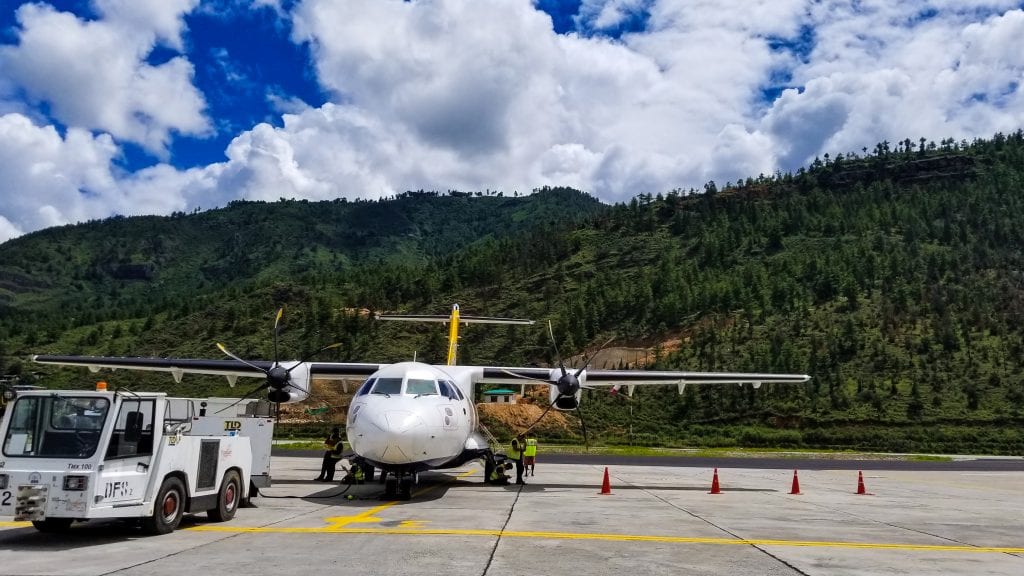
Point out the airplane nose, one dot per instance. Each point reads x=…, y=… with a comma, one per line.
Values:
x=398, y=437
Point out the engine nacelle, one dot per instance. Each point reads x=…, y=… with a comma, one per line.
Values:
x=299, y=384
x=564, y=403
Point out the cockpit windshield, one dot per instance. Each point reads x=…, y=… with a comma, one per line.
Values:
x=419, y=387
x=388, y=386
x=55, y=426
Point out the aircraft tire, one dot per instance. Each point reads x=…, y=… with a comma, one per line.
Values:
x=405, y=488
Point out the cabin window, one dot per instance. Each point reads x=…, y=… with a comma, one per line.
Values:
x=388, y=386
x=419, y=387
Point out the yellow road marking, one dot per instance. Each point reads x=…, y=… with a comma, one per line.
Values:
x=413, y=523
x=616, y=537
x=14, y=524
x=368, y=515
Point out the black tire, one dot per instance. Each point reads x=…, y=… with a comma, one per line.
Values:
x=368, y=471
x=228, y=497
x=405, y=488
x=53, y=524
x=390, y=487
x=168, y=508
x=488, y=469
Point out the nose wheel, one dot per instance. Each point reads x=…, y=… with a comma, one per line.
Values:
x=399, y=487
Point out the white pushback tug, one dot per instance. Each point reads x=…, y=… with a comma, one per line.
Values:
x=73, y=455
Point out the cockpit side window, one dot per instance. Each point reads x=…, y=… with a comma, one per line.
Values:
x=365, y=388
x=419, y=387
x=446, y=390
x=457, y=391
x=388, y=386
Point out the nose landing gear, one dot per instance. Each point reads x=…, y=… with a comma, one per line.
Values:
x=398, y=486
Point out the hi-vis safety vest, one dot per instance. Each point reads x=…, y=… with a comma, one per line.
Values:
x=531, y=447
x=335, y=449
x=358, y=474
x=516, y=450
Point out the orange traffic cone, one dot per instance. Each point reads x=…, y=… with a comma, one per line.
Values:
x=606, y=486
x=714, y=484
x=860, y=483
x=796, y=484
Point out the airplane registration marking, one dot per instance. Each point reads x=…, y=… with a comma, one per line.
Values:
x=618, y=538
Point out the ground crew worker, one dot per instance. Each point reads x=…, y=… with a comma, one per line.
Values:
x=498, y=476
x=355, y=475
x=530, y=456
x=516, y=454
x=333, y=447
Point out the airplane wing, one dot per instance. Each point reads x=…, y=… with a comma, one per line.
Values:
x=631, y=378
x=232, y=369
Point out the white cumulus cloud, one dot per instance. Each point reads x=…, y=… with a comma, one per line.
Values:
x=474, y=94
x=94, y=74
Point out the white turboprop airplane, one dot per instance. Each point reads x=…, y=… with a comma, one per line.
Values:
x=411, y=416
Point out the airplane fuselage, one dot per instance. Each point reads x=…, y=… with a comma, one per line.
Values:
x=410, y=417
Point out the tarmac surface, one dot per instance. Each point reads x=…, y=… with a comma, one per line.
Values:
x=657, y=520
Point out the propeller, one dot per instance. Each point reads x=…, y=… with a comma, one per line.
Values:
x=567, y=384
x=278, y=378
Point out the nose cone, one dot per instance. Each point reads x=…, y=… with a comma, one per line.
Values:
x=392, y=437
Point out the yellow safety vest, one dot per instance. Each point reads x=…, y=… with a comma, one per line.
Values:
x=336, y=448
x=531, y=447
x=515, y=452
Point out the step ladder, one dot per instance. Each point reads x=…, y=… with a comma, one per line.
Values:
x=491, y=440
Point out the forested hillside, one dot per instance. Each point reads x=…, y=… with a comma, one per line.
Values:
x=893, y=278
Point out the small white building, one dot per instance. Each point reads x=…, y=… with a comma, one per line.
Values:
x=500, y=396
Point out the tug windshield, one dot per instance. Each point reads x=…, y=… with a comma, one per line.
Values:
x=55, y=426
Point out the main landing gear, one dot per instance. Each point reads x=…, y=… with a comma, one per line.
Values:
x=398, y=486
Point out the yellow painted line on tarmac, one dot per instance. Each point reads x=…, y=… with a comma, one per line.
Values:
x=15, y=524
x=340, y=525
x=368, y=516
x=615, y=538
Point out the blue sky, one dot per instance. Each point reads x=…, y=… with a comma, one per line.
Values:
x=152, y=106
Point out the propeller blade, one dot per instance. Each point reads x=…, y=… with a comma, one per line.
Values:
x=247, y=396
x=551, y=332
x=324, y=349
x=249, y=364
x=583, y=423
x=543, y=414
x=586, y=362
x=277, y=321
x=530, y=378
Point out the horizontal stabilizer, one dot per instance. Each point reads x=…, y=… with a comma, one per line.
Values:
x=446, y=319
